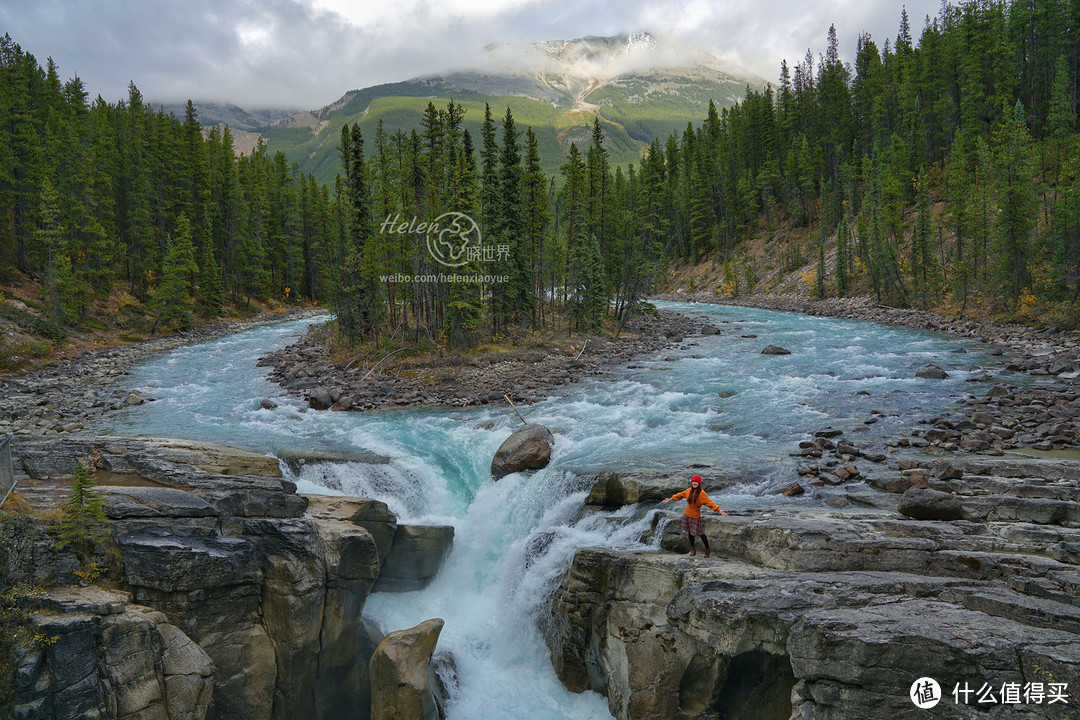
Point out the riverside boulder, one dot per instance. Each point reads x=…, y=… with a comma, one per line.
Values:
x=616, y=489
x=528, y=448
x=927, y=504
x=402, y=682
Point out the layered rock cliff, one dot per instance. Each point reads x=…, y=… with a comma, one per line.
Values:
x=813, y=613
x=235, y=597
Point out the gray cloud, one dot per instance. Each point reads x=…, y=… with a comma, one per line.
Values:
x=292, y=54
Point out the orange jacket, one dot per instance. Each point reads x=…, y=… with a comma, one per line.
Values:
x=694, y=509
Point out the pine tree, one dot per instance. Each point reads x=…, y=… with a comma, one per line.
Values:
x=249, y=258
x=510, y=301
x=590, y=296
x=84, y=527
x=833, y=97
x=885, y=264
x=385, y=175
x=536, y=206
x=700, y=215
x=211, y=296
x=1062, y=117
x=599, y=193
x=843, y=258
x=172, y=296
x=903, y=39
x=489, y=174
x=464, y=307
x=1065, y=238
x=958, y=191
x=357, y=302
x=20, y=179
x=134, y=207
x=922, y=264
x=574, y=221
x=193, y=199
x=58, y=285
x=806, y=178
x=1015, y=202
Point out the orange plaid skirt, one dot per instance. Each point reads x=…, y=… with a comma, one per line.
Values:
x=694, y=526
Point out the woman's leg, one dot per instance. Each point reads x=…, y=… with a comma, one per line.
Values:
x=693, y=547
x=705, y=542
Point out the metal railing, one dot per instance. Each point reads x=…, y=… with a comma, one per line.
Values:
x=7, y=477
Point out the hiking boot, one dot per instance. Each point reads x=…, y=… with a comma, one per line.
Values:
x=708, y=552
x=693, y=551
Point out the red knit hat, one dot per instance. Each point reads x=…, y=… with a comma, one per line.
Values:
x=696, y=479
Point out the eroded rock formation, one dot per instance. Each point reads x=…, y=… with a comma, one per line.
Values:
x=239, y=597
x=818, y=613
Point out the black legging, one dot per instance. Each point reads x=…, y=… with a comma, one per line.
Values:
x=704, y=540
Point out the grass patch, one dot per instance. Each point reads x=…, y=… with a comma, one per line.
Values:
x=16, y=504
x=95, y=324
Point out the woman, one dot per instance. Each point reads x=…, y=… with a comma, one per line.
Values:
x=691, y=519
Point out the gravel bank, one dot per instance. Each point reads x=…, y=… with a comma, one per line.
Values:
x=63, y=396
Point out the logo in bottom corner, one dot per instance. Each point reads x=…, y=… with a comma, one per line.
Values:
x=925, y=693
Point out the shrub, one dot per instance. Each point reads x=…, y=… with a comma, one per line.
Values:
x=14, y=355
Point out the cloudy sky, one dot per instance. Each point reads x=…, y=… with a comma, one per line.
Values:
x=304, y=54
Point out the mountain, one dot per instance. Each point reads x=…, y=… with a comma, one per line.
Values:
x=641, y=87
x=237, y=118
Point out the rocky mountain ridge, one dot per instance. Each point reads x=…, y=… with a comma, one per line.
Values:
x=640, y=86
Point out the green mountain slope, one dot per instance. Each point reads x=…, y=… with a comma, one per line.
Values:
x=635, y=85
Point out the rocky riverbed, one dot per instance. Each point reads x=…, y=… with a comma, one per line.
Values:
x=61, y=397
x=1029, y=399
x=524, y=373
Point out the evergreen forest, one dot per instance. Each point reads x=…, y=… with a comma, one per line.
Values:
x=941, y=171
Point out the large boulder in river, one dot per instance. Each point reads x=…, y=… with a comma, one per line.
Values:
x=775, y=350
x=320, y=399
x=931, y=372
x=401, y=675
x=529, y=448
